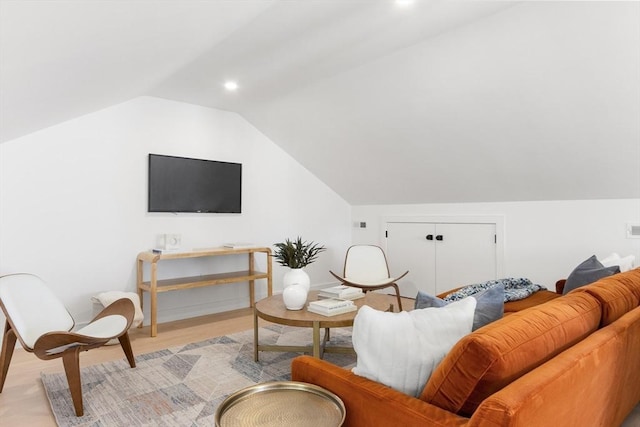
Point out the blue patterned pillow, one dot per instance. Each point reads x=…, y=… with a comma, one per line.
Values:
x=489, y=307
x=514, y=289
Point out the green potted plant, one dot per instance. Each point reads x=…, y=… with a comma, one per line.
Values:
x=296, y=255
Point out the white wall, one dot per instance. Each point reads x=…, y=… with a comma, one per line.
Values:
x=73, y=209
x=544, y=241
x=73, y=204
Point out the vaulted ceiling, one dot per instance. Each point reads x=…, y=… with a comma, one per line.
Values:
x=439, y=101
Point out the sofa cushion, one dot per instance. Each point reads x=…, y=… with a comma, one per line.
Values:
x=629, y=279
x=615, y=294
x=401, y=350
x=485, y=361
x=579, y=387
x=589, y=271
x=489, y=307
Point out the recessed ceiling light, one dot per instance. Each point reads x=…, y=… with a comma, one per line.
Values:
x=230, y=85
x=404, y=3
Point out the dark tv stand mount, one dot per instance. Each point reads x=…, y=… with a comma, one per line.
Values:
x=153, y=285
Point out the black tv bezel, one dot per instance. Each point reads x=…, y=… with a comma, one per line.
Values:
x=231, y=212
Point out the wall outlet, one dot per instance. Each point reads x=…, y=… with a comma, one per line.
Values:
x=169, y=242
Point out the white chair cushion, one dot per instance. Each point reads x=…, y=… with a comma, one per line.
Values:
x=366, y=264
x=106, y=327
x=33, y=309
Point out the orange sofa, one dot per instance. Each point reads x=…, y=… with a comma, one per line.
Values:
x=572, y=361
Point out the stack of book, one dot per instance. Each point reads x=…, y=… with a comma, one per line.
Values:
x=331, y=306
x=341, y=292
x=235, y=245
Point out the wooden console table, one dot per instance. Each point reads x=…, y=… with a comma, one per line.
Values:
x=153, y=286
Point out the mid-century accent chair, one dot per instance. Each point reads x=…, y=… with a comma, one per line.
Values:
x=40, y=321
x=365, y=267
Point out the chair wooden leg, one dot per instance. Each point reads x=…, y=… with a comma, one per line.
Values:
x=125, y=342
x=8, y=344
x=71, y=361
x=398, y=296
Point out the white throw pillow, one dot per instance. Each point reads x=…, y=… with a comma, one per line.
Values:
x=610, y=260
x=625, y=263
x=401, y=350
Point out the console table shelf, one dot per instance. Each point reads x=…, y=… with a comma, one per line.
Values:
x=153, y=285
x=165, y=285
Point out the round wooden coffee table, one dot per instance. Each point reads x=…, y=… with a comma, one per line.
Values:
x=272, y=309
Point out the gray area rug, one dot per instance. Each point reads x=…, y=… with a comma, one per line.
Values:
x=181, y=386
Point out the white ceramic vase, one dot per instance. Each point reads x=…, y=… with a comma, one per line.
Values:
x=296, y=275
x=294, y=296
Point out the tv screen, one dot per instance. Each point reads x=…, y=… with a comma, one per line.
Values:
x=179, y=184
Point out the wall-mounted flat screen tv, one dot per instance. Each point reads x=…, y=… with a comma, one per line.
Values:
x=179, y=184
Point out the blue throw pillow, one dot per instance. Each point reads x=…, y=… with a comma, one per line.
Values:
x=489, y=307
x=589, y=271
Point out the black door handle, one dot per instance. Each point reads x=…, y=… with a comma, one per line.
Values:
x=429, y=236
x=439, y=237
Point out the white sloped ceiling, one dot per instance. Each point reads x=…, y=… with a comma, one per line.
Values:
x=440, y=102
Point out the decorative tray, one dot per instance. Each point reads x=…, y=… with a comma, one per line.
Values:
x=280, y=404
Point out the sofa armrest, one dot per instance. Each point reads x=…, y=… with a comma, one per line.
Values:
x=560, y=286
x=450, y=291
x=369, y=403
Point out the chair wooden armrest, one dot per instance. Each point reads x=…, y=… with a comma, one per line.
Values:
x=371, y=285
x=123, y=307
x=52, y=344
x=374, y=286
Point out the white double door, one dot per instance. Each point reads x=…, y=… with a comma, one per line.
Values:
x=441, y=256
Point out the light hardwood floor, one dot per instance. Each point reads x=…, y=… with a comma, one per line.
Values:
x=23, y=401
